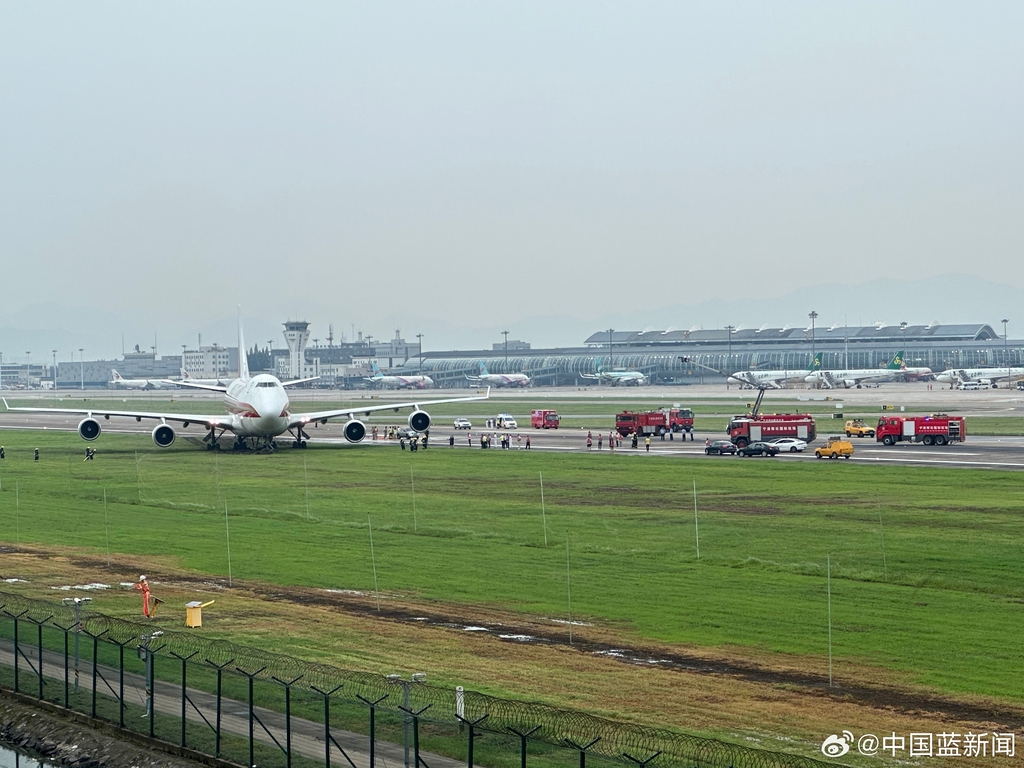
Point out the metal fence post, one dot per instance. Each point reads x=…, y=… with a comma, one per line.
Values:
x=373, y=713
x=220, y=674
x=523, y=736
x=637, y=761
x=252, y=719
x=39, y=645
x=16, y=651
x=66, y=666
x=583, y=749
x=288, y=717
x=472, y=735
x=184, y=697
x=327, y=722
x=415, y=717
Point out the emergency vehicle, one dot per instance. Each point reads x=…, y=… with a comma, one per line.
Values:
x=654, y=422
x=937, y=429
x=755, y=426
x=544, y=419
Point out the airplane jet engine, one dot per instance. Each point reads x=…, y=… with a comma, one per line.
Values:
x=355, y=431
x=419, y=420
x=163, y=436
x=89, y=429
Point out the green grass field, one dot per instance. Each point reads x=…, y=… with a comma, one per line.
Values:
x=926, y=578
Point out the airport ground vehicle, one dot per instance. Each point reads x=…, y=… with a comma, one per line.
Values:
x=407, y=432
x=788, y=444
x=857, y=428
x=719, y=448
x=936, y=429
x=758, y=448
x=1020, y=385
x=544, y=419
x=506, y=421
x=833, y=448
x=972, y=386
x=462, y=423
x=744, y=430
x=654, y=422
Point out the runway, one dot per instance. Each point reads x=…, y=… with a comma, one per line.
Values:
x=1001, y=453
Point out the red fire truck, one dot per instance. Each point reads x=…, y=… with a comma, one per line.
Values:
x=937, y=429
x=544, y=419
x=654, y=422
x=744, y=430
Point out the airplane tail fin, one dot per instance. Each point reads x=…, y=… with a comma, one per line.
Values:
x=597, y=364
x=117, y=376
x=897, y=362
x=815, y=363
x=483, y=370
x=243, y=358
x=375, y=368
x=184, y=375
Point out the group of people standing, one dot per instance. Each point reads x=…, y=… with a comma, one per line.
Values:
x=503, y=441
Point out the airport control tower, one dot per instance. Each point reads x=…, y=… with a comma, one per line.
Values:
x=296, y=333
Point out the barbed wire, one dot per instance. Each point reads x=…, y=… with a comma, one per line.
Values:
x=561, y=727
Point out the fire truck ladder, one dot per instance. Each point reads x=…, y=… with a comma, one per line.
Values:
x=757, y=403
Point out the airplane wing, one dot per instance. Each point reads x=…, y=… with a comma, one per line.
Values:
x=299, y=381
x=301, y=419
x=194, y=385
x=221, y=420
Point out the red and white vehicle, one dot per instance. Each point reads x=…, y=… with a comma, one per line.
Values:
x=937, y=429
x=743, y=430
x=544, y=419
x=654, y=422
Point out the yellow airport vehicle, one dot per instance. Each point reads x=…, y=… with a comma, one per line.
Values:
x=835, y=447
x=857, y=428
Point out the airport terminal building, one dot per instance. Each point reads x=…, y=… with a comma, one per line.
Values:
x=657, y=353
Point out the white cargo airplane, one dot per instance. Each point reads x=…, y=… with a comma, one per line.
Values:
x=500, y=379
x=399, y=382
x=120, y=382
x=615, y=378
x=257, y=410
x=857, y=376
x=984, y=376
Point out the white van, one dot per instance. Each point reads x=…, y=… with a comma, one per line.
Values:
x=505, y=421
x=971, y=385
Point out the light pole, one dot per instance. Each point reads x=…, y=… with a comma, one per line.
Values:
x=81, y=359
x=611, y=354
x=814, y=316
x=55, y=370
x=419, y=345
x=416, y=678
x=729, y=329
x=505, y=334
x=1, y=370
x=1006, y=349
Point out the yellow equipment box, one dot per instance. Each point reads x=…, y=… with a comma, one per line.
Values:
x=194, y=613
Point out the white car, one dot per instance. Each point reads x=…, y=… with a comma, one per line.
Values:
x=462, y=424
x=971, y=385
x=789, y=444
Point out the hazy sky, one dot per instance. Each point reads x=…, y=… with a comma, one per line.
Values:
x=436, y=165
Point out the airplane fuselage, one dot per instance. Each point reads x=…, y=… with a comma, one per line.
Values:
x=952, y=375
x=259, y=406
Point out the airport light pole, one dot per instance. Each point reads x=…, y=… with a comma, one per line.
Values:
x=55, y=370
x=903, y=328
x=505, y=334
x=419, y=346
x=611, y=354
x=81, y=359
x=729, y=329
x=1006, y=349
x=814, y=316
x=416, y=678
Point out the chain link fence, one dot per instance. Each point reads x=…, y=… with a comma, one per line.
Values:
x=258, y=708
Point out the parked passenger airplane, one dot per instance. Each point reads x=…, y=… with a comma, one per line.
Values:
x=186, y=378
x=615, y=378
x=773, y=379
x=399, y=382
x=983, y=376
x=120, y=382
x=857, y=376
x=257, y=412
x=500, y=379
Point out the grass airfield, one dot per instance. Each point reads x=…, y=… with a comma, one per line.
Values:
x=926, y=584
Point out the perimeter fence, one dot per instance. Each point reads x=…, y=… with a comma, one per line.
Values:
x=254, y=707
